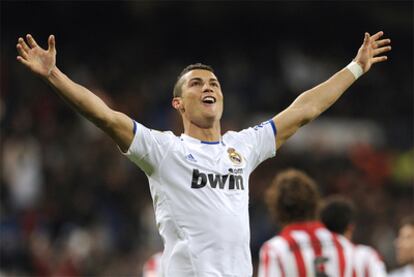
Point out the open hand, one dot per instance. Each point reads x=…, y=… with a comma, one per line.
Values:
x=371, y=48
x=38, y=60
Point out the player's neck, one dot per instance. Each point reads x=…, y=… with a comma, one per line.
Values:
x=211, y=134
x=349, y=231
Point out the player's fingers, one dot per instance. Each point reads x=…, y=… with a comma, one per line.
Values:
x=382, y=42
x=23, y=44
x=379, y=59
x=21, y=51
x=377, y=35
x=23, y=61
x=366, y=39
x=31, y=41
x=52, y=43
x=382, y=50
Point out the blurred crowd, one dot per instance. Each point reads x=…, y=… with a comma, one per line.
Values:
x=72, y=205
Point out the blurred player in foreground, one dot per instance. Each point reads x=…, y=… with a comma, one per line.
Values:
x=338, y=215
x=404, y=248
x=199, y=180
x=304, y=247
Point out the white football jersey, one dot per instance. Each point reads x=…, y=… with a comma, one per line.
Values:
x=307, y=250
x=368, y=263
x=405, y=271
x=200, y=193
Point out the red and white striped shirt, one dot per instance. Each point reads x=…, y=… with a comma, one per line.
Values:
x=368, y=263
x=307, y=249
x=152, y=267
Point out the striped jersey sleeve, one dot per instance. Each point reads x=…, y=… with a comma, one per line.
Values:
x=368, y=263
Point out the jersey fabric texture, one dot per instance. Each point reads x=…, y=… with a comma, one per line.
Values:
x=405, y=271
x=368, y=263
x=304, y=250
x=200, y=193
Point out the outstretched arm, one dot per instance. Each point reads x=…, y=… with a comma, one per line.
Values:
x=43, y=63
x=310, y=104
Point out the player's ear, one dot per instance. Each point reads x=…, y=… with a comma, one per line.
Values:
x=176, y=103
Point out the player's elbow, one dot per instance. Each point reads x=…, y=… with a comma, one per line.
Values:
x=309, y=114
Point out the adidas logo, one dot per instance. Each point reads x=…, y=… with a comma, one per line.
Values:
x=191, y=158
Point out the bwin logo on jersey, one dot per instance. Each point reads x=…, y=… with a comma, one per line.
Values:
x=201, y=179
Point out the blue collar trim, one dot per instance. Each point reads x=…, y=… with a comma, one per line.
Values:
x=210, y=142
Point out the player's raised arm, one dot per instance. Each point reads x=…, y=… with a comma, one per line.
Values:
x=310, y=104
x=43, y=63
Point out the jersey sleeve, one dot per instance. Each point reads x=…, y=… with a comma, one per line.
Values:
x=148, y=147
x=375, y=265
x=269, y=262
x=261, y=140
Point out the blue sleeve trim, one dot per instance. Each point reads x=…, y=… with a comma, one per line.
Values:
x=273, y=126
x=135, y=126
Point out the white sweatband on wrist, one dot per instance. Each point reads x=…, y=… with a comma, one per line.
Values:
x=355, y=69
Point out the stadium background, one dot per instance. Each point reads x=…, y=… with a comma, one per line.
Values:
x=72, y=205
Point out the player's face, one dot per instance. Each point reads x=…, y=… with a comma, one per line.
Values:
x=405, y=245
x=201, y=100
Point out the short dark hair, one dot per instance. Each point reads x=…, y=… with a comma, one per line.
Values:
x=293, y=196
x=337, y=213
x=177, y=87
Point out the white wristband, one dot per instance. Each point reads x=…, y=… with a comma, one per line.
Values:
x=355, y=69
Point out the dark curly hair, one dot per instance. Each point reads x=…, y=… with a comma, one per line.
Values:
x=337, y=213
x=293, y=197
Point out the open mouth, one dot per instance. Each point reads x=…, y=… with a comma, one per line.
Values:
x=209, y=100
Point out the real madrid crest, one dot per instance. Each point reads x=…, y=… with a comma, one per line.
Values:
x=235, y=157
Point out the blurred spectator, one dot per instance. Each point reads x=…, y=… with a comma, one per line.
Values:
x=404, y=245
x=22, y=164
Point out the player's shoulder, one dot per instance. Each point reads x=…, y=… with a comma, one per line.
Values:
x=140, y=128
x=231, y=134
x=364, y=248
x=404, y=271
x=234, y=137
x=343, y=240
x=167, y=134
x=276, y=243
x=367, y=250
x=241, y=136
x=164, y=137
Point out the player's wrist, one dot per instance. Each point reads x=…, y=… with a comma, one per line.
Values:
x=356, y=69
x=52, y=75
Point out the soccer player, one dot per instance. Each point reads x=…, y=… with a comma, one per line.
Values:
x=199, y=180
x=404, y=248
x=338, y=215
x=304, y=247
